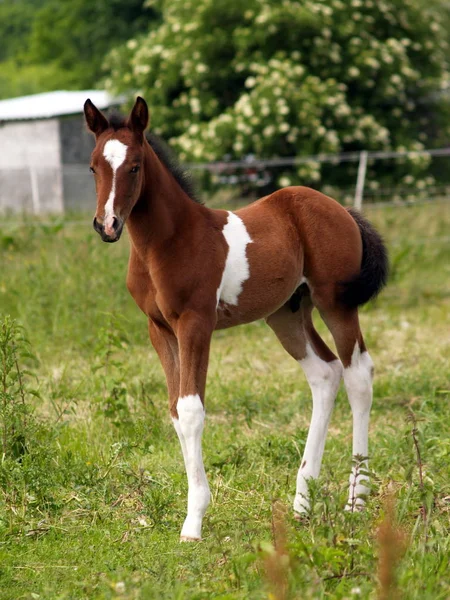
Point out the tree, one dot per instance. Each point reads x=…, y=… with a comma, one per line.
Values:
x=75, y=35
x=61, y=44
x=279, y=78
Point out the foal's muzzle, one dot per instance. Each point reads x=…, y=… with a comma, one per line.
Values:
x=117, y=230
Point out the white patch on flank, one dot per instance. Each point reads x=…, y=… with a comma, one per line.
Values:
x=358, y=383
x=323, y=378
x=189, y=427
x=236, y=269
x=115, y=153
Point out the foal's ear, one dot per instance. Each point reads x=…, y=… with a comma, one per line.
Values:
x=95, y=120
x=138, y=120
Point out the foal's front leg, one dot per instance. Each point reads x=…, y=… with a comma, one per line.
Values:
x=194, y=338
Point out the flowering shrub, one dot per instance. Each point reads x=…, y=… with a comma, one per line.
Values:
x=287, y=78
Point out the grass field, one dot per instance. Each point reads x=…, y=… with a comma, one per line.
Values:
x=92, y=484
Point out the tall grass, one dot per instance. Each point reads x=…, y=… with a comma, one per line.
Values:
x=92, y=484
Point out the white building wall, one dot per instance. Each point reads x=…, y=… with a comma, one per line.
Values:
x=30, y=167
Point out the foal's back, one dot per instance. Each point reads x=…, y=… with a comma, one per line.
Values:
x=297, y=235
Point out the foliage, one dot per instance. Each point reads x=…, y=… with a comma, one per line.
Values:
x=287, y=78
x=16, y=21
x=76, y=34
x=61, y=44
x=92, y=509
x=15, y=414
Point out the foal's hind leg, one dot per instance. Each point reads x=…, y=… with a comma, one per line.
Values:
x=323, y=371
x=358, y=375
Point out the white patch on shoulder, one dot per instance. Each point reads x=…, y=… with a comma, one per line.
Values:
x=236, y=269
x=115, y=153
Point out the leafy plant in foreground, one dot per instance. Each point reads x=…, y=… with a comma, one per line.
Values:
x=14, y=391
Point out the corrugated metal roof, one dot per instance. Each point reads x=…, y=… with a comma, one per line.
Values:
x=53, y=104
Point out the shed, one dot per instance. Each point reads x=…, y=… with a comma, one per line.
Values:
x=45, y=150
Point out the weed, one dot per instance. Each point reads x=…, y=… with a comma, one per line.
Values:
x=15, y=410
x=392, y=543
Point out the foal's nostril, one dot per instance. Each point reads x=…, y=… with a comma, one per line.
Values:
x=115, y=224
x=96, y=225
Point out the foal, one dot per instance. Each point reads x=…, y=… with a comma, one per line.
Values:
x=193, y=270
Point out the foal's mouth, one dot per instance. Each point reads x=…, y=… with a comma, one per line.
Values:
x=113, y=234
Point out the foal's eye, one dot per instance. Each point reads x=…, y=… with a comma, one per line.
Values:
x=91, y=169
x=135, y=169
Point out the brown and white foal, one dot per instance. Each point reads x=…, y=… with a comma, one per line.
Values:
x=193, y=270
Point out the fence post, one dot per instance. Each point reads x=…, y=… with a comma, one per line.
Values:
x=34, y=190
x=359, y=192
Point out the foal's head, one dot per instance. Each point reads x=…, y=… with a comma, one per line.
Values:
x=116, y=163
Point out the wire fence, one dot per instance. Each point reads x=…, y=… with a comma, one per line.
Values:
x=358, y=178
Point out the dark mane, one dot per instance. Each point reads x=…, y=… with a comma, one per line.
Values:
x=165, y=155
x=116, y=120
x=169, y=160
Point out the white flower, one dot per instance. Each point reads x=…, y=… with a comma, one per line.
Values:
x=343, y=110
x=332, y=138
x=284, y=181
x=195, y=105
x=120, y=588
x=141, y=69
x=372, y=62
x=353, y=71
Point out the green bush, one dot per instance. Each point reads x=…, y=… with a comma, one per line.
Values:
x=288, y=78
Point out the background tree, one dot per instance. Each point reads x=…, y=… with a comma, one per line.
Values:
x=61, y=44
x=287, y=78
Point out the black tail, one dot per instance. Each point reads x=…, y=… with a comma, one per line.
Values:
x=374, y=266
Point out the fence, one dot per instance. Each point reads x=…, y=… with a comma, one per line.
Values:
x=353, y=177
x=394, y=176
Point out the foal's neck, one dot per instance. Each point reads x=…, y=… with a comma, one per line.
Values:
x=162, y=209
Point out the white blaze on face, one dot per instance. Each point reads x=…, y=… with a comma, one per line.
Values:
x=236, y=270
x=115, y=153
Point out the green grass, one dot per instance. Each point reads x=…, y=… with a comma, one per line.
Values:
x=94, y=507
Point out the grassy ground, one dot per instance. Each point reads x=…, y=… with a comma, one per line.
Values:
x=93, y=506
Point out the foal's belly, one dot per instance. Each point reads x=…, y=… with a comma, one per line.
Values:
x=264, y=266
x=257, y=302
x=271, y=282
